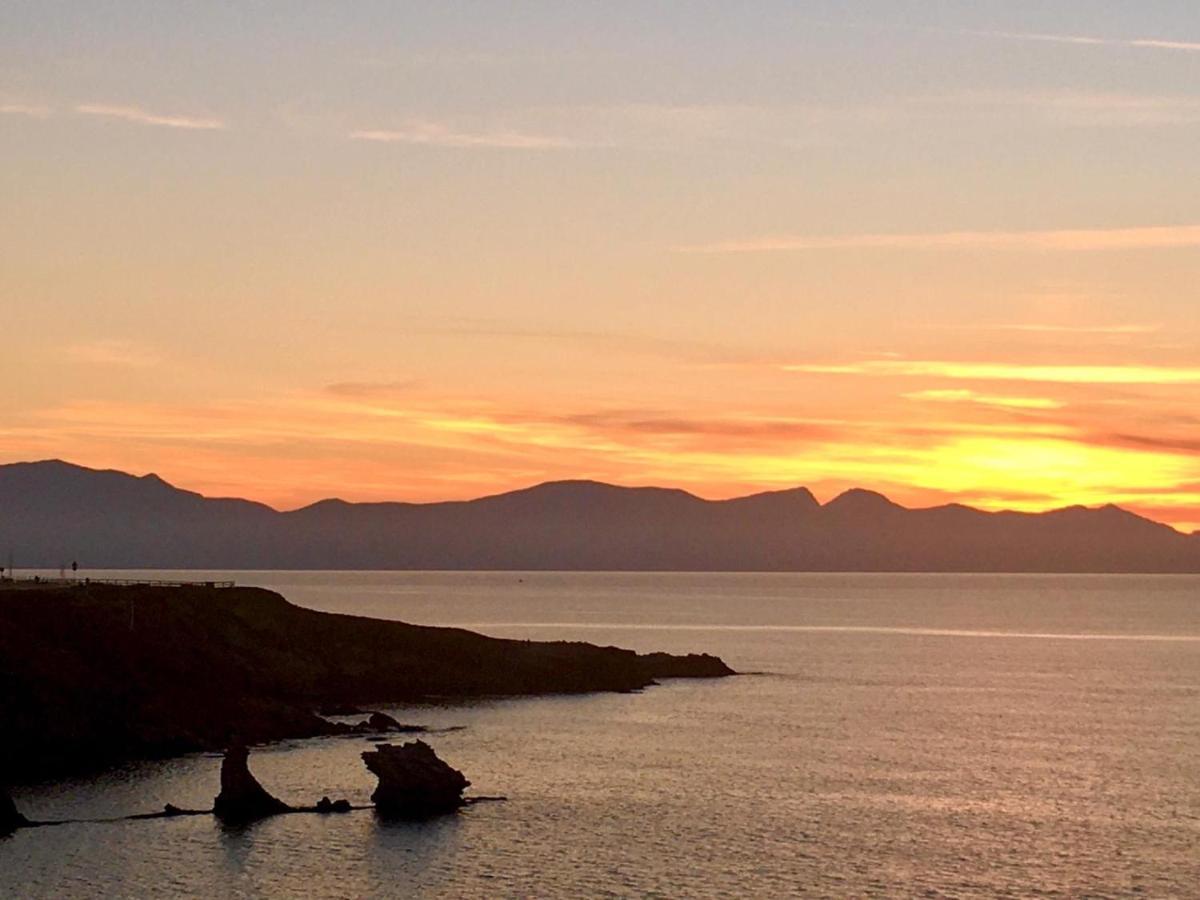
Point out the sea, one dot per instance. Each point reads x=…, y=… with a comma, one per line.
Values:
x=890, y=736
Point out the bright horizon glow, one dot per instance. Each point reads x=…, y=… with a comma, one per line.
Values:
x=405, y=252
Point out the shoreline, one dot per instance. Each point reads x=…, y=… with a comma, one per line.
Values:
x=96, y=675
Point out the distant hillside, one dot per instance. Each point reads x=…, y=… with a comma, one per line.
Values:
x=54, y=512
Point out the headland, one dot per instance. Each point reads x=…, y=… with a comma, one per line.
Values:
x=93, y=675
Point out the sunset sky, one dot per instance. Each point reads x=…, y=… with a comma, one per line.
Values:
x=380, y=250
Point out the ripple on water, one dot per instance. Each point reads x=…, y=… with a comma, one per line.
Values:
x=894, y=750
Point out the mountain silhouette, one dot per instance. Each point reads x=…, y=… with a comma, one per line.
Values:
x=54, y=512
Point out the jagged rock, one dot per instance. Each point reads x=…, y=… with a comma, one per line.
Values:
x=414, y=782
x=382, y=722
x=10, y=819
x=376, y=723
x=325, y=805
x=242, y=798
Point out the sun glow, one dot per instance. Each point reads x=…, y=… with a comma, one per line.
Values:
x=455, y=449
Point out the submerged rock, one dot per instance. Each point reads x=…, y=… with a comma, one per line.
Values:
x=10, y=819
x=414, y=783
x=242, y=798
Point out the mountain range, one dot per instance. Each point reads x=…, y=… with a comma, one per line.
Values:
x=53, y=512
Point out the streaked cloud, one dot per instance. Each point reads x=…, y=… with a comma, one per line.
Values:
x=435, y=134
x=32, y=110
x=969, y=371
x=1083, y=40
x=1179, y=445
x=124, y=354
x=144, y=117
x=1079, y=240
x=371, y=389
x=967, y=396
x=1045, y=328
x=1075, y=107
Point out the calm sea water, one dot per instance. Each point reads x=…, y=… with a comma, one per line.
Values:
x=965, y=736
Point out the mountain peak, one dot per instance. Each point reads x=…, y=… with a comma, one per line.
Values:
x=860, y=500
x=797, y=499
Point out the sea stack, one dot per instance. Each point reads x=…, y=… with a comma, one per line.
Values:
x=10, y=819
x=413, y=782
x=242, y=798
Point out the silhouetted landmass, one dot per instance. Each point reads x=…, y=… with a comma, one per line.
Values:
x=96, y=674
x=54, y=512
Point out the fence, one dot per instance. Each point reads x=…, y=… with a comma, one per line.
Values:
x=75, y=582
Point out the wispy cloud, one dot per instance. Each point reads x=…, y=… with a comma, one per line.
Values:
x=1043, y=328
x=32, y=110
x=435, y=134
x=113, y=353
x=144, y=117
x=1182, y=445
x=1093, y=41
x=1147, y=375
x=968, y=396
x=1074, y=107
x=1089, y=239
x=370, y=389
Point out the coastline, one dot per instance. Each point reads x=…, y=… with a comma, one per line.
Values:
x=94, y=675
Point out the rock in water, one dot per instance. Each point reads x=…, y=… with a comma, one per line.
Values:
x=413, y=782
x=10, y=819
x=325, y=805
x=242, y=798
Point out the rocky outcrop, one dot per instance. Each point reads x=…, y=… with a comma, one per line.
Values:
x=10, y=819
x=242, y=798
x=375, y=723
x=378, y=721
x=414, y=783
x=694, y=665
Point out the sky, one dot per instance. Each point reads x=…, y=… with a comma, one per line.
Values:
x=949, y=251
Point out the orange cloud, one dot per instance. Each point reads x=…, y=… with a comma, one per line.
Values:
x=1086, y=239
x=1128, y=375
x=967, y=396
